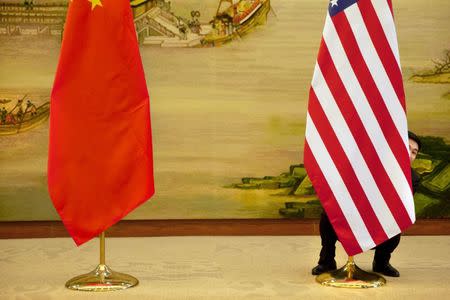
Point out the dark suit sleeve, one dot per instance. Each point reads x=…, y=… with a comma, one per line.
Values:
x=415, y=180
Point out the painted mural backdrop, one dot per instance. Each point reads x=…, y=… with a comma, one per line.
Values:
x=229, y=85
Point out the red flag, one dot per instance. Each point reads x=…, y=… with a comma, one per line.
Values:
x=100, y=164
x=356, y=150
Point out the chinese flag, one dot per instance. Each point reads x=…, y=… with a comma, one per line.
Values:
x=100, y=164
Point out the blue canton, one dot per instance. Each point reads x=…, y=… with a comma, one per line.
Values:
x=336, y=6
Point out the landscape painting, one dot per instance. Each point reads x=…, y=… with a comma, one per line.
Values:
x=228, y=83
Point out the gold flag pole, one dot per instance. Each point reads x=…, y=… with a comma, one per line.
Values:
x=351, y=276
x=102, y=279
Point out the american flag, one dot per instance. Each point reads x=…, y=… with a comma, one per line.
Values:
x=356, y=148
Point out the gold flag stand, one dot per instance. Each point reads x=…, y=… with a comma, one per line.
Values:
x=351, y=276
x=102, y=279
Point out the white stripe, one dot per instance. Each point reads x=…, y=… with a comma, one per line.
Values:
x=377, y=70
x=365, y=113
x=338, y=187
x=387, y=22
x=353, y=154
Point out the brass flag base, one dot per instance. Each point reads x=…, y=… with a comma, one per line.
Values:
x=351, y=276
x=102, y=279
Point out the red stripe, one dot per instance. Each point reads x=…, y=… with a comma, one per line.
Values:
x=360, y=135
x=345, y=169
x=385, y=53
x=389, y=2
x=330, y=205
x=372, y=93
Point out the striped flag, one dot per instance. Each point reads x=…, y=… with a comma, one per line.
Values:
x=356, y=134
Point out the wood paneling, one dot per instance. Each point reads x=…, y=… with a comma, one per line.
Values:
x=136, y=228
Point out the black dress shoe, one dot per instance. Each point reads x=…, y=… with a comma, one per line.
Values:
x=385, y=269
x=322, y=268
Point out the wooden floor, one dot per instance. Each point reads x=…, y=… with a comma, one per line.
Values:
x=200, y=268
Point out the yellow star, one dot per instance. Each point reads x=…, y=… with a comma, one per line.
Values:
x=95, y=3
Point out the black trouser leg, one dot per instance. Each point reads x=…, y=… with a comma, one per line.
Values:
x=329, y=239
x=384, y=250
